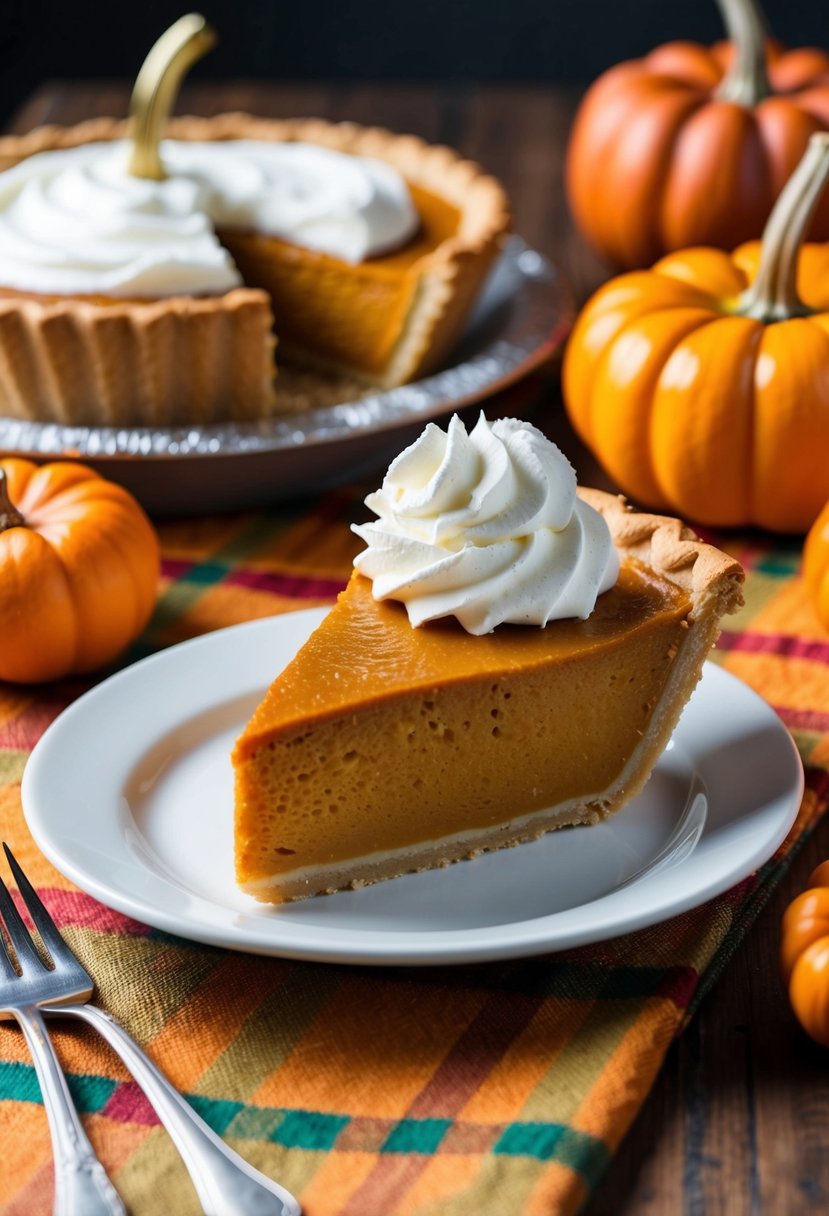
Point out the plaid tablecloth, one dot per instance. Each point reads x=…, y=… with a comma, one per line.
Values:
x=459, y=1091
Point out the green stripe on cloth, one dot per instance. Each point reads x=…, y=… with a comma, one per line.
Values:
x=309, y=1129
x=555, y=1142
x=18, y=1083
x=216, y=1113
x=416, y=1136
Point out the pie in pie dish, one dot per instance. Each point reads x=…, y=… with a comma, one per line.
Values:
x=75, y=349
x=384, y=748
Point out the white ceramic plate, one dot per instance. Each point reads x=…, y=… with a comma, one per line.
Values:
x=129, y=793
x=522, y=316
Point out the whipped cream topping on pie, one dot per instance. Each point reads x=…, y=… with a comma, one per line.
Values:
x=486, y=527
x=74, y=221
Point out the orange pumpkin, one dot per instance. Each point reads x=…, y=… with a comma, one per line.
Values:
x=816, y=566
x=79, y=566
x=692, y=145
x=804, y=955
x=702, y=385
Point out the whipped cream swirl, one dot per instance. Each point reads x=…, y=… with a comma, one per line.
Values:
x=75, y=222
x=486, y=527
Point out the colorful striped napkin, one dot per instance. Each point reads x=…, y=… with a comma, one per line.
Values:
x=487, y=1089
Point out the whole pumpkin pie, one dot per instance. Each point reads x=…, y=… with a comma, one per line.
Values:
x=158, y=304
x=516, y=661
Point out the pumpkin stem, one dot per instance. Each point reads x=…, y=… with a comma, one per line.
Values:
x=10, y=517
x=157, y=85
x=773, y=294
x=746, y=82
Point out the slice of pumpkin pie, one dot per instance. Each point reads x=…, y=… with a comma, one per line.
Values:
x=508, y=657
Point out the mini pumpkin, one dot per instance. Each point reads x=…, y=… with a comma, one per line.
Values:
x=816, y=566
x=702, y=385
x=79, y=565
x=804, y=955
x=692, y=145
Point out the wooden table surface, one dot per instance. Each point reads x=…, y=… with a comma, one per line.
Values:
x=738, y=1121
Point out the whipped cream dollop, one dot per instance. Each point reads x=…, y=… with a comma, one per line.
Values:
x=74, y=221
x=486, y=527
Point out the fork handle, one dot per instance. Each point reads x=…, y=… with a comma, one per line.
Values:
x=82, y=1187
x=225, y=1183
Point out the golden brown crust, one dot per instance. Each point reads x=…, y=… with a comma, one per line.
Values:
x=167, y=362
x=448, y=278
x=671, y=549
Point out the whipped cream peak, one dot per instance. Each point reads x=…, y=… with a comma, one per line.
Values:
x=486, y=526
x=74, y=221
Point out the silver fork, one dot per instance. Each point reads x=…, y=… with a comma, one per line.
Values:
x=225, y=1183
x=81, y=1185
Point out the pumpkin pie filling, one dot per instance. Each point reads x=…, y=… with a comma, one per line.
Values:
x=377, y=761
x=316, y=297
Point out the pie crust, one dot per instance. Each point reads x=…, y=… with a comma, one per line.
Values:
x=284, y=852
x=99, y=361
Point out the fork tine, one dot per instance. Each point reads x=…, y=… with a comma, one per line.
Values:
x=7, y=971
x=18, y=933
x=46, y=927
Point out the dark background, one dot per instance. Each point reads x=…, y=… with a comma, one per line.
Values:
x=533, y=40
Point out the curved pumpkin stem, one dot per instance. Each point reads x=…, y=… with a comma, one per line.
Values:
x=157, y=86
x=746, y=81
x=10, y=517
x=773, y=294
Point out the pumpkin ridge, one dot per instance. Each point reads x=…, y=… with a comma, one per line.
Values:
x=40, y=643
x=607, y=396
x=701, y=423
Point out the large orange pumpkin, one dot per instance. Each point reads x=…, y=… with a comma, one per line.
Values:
x=79, y=568
x=702, y=385
x=692, y=145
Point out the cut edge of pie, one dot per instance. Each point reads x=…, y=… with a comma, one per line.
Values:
x=130, y=348
x=712, y=582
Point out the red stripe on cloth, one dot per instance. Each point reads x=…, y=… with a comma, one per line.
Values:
x=390, y=1179
x=484, y=1042
x=803, y=719
x=79, y=911
x=292, y=585
x=175, y=567
x=774, y=643
x=22, y=732
x=679, y=985
x=129, y=1105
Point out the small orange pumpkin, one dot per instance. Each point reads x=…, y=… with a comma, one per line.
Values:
x=79, y=565
x=816, y=566
x=804, y=955
x=691, y=145
x=702, y=385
